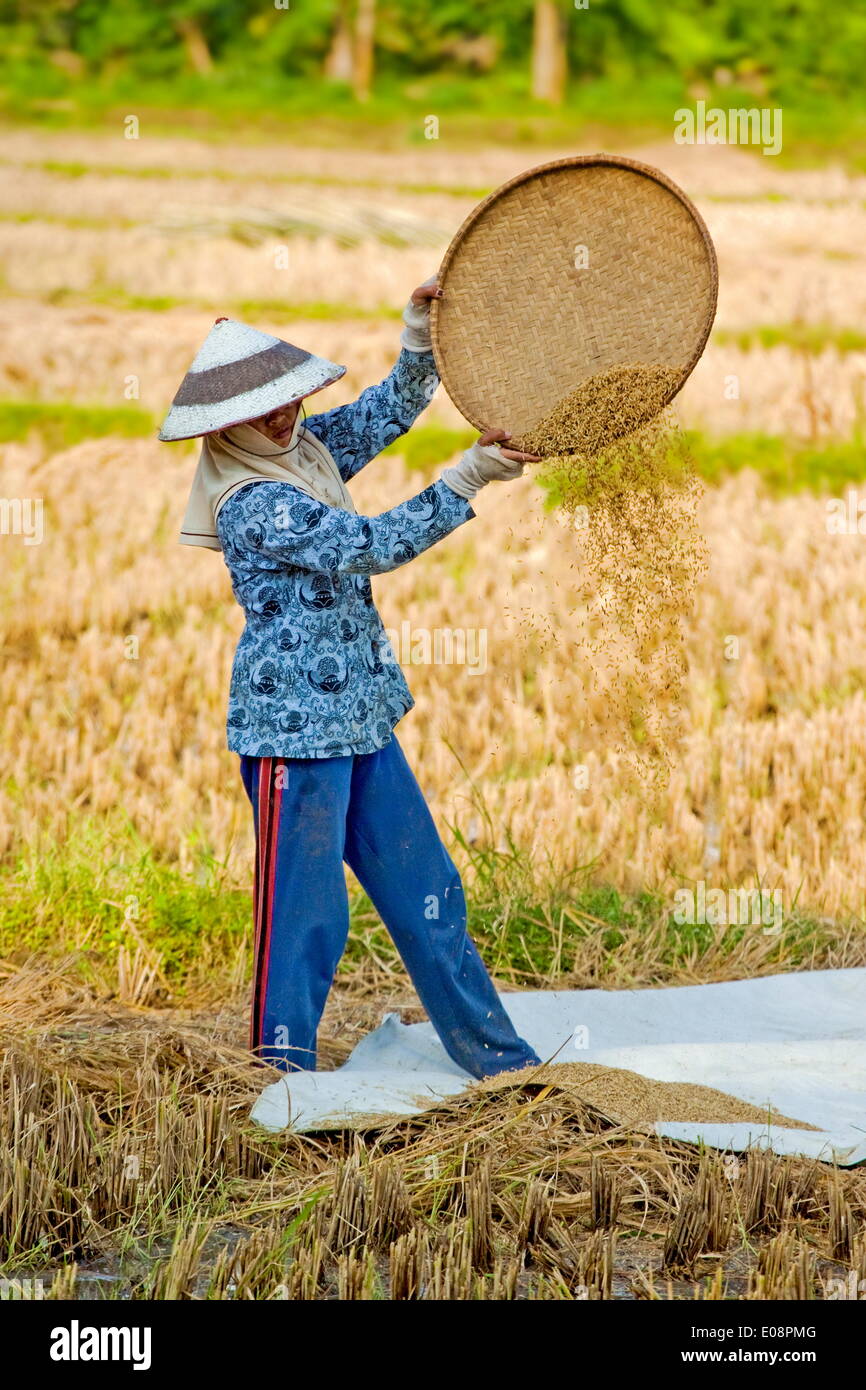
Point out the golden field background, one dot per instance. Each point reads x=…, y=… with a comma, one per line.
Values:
x=769, y=783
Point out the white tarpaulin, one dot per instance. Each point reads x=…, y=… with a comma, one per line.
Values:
x=795, y=1042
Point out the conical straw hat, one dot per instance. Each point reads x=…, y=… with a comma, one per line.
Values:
x=239, y=374
x=567, y=271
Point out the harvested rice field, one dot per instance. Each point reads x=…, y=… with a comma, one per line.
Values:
x=130, y=1169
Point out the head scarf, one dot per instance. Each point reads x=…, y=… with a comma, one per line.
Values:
x=233, y=457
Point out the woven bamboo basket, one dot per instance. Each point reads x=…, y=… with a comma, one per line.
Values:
x=571, y=269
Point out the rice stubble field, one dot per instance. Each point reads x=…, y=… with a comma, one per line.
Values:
x=130, y=1167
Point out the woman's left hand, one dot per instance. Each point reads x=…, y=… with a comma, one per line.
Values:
x=429, y=290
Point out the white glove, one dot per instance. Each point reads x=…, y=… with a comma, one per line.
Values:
x=483, y=463
x=416, y=334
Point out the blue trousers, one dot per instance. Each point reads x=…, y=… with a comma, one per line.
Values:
x=311, y=815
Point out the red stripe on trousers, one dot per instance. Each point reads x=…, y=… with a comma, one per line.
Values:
x=269, y=798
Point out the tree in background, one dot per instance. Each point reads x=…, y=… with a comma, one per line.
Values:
x=340, y=57
x=781, y=50
x=549, y=60
x=194, y=42
x=362, y=70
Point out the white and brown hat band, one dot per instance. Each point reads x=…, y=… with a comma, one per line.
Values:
x=240, y=374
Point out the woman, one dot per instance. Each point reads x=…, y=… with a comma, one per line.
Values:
x=316, y=692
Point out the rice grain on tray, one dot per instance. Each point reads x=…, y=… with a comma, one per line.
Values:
x=604, y=408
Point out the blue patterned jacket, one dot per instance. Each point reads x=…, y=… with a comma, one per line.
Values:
x=314, y=675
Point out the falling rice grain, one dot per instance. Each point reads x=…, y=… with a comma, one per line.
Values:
x=619, y=472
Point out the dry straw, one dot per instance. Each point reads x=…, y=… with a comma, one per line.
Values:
x=118, y=1121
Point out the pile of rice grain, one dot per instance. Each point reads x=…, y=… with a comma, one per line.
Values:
x=629, y=1098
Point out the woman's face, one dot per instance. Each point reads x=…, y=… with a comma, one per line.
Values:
x=278, y=424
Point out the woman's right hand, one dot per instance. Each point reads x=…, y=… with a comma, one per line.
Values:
x=495, y=436
x=486, y=463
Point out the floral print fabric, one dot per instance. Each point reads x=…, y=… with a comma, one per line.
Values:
x=313, y=674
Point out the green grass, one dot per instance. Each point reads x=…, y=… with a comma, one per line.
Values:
x=228, y=105
x=76, y=169
x=812, y=338
x=784, y=466
x=62, y=424
x=319, y=309
x=104, y=888
x=58, y=219
x=428, y=445
x=83, y=895
x=115, y=297
x=599, y=113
